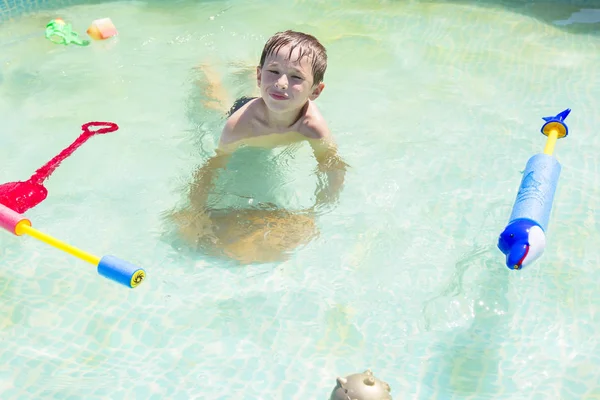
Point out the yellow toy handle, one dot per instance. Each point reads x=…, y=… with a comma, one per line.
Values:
x=551, y=142
x=555, y=128
x=23, y=227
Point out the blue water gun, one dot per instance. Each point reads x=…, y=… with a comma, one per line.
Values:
x=524, y=239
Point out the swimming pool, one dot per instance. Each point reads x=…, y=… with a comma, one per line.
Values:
x=436, y=107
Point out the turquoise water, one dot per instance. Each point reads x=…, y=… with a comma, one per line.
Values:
x=436, y=107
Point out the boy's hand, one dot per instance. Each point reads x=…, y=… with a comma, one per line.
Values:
x=331, y=164
x=203, y=180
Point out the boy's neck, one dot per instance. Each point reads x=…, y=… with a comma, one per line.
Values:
x=284, y=120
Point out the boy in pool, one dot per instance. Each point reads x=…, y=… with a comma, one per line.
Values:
x=290, y=78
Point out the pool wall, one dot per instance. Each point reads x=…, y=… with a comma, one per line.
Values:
x=13, y=8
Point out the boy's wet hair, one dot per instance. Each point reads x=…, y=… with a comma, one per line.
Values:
x=308, y=46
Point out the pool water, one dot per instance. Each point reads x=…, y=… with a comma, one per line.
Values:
x=435, y=106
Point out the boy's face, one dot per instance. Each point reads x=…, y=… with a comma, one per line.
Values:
x=286, y=83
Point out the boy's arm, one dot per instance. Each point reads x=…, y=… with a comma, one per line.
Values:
x=203, y=178
x=330, y=163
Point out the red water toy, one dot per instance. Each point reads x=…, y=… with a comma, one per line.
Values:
x=21, y=196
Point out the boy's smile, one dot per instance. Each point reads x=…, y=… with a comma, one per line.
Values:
x=278, y=96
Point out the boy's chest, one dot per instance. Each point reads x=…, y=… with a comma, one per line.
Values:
x=271, y=139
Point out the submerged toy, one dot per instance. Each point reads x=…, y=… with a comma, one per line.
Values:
x=21, y=196
x=362, y=386
x=102, y=29
x=524, y=239
x=59, y=32
x=108, y=266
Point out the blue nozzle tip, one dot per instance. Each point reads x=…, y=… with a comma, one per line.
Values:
x=560, y=117
x=557, y=121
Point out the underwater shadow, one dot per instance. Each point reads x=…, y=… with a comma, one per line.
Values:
x=466, y=360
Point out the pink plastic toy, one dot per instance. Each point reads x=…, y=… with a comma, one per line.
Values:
x=10, y=219
x=102, y=29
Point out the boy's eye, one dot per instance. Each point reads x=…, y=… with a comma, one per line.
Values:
x=296, y=77
x=273, y=71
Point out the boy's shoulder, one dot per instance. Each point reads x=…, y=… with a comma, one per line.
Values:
x=241, y=123
x=312, y=124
